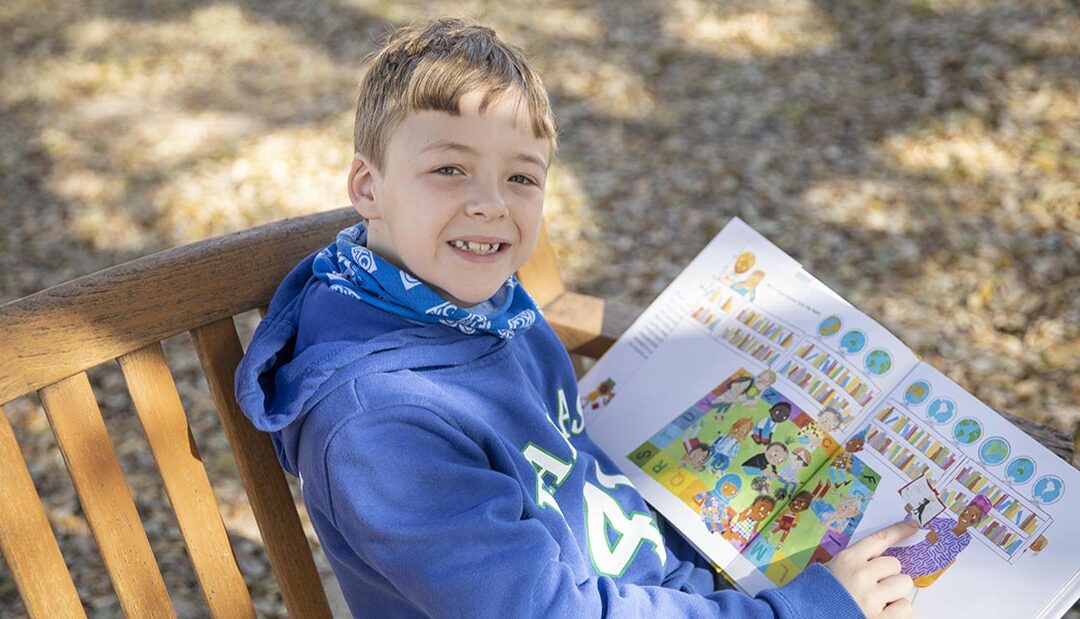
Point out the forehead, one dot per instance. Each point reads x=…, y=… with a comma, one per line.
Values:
x=502, y=128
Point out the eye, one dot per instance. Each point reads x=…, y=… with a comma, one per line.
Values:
x=522, y=179
x=448, y=170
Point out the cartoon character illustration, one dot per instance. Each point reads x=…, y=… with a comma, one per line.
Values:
x=849, y=507
x=748, y=286
x=741, y=528
x=844, y=467
x=1037, y=546
x=715, y=508
x=726, y=448
x=695, y=456
x=811, y=435
x=736, y=389
x=743, y=262
x=691, y=433
x=789, y=474
x=758, y=385
x=830, y=420
x=922, y=494
x=603, y=394
x=768, y=462
x=761, y=485
x=925, y=561
x=920, y=508
x=763, y=431
x=789, y=519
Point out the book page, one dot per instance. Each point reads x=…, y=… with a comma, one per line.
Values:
x=817, y=522
x=736, y=458
x=1019, y=556
x=744, y=328
x=741, y=305
x=740, y=293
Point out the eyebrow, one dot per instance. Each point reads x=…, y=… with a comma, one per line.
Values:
x=469, y=150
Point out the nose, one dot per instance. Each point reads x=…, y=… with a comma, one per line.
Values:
x=486, y=202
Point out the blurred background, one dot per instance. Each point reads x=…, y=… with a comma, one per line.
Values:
x=921, y=157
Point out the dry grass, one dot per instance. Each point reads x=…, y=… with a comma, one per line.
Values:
x=921, y=157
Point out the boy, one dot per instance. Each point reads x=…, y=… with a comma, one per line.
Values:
x=425, y=404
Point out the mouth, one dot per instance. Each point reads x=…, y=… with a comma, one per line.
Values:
x=479, y=248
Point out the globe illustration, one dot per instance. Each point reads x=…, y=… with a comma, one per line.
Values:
x=967, y=431
x=829, y=326
x=1020, y=470
x=878, y=361
x=917, y=392
x=1048, y=489
x=853, y=341
x=994, y=451
x=941, y=410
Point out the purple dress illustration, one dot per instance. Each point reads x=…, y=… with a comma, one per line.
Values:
x=926, y=560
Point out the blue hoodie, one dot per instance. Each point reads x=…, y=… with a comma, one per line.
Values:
x=448, y=475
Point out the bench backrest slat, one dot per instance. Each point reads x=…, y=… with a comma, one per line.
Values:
x=290, y=556
x=28, y=543
x=74, y=326
x=110, y=510
x=157, y=403
x=540, y=275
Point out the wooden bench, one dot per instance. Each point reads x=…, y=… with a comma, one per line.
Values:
x=50, y=340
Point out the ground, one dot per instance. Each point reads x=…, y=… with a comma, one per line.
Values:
x=921, y=157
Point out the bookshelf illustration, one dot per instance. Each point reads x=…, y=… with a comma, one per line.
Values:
x=758, y=335
x=1010, y=526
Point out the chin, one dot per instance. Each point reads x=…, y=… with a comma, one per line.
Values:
x=469, y=298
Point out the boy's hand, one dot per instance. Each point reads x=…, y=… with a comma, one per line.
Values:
x=874, y=581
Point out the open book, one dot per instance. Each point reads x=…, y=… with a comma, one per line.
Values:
x=774, y=424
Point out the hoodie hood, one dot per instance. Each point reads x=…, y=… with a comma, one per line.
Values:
x=313, y=340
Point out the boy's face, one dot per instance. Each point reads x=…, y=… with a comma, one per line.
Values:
x=459, y=201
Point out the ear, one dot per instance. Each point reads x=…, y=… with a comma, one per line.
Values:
x=363, y=188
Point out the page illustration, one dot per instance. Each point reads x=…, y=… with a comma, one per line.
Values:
x=750, y=463
x=774, y=424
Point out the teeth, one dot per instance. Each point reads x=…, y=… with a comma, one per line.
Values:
x=477, y=248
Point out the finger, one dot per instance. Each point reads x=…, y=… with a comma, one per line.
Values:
x=874, y=544
x=900, y=609
x=894, y=588
x=882, y=567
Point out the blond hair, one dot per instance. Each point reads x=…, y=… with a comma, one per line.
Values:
x=429, y=66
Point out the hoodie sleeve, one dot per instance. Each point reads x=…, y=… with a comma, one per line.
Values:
x=418, y=502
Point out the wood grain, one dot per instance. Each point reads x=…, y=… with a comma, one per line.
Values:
x=110, y=511
x=27, y=541
x=76, y=325
x=588, y=325
x=540, y=275
x=275, y=513
x=186, y=483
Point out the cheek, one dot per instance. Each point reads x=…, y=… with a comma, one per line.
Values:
x=530, y=224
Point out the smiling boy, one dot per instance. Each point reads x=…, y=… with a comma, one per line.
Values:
x=459, y=197
x=431, y=413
